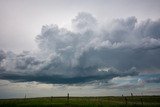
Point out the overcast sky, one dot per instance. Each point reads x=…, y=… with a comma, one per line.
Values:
x=85, y=47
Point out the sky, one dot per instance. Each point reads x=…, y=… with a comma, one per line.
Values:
x=81, y=47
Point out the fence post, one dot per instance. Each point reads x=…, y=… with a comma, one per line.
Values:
x=68, y=98
x=25, y=96
x=51, y=98
x=142, y=102
x=126, y=100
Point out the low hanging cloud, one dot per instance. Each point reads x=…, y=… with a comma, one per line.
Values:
x=89, y=52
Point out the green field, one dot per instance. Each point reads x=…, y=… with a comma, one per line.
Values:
x=135, y=101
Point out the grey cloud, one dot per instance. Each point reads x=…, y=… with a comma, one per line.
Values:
x=2, y=55
x=152, y=78
x=26, y=62
x=21, y=63
x=84, y=21
x=130, y=82
x=149, y=28
x=126, y=86
x=120, y=30
x=88, y=52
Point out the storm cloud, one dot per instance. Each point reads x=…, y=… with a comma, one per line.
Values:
x=90, y=51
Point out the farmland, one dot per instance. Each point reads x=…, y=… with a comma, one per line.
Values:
x=110, y=101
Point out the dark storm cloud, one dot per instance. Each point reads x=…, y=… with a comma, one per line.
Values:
x=61, y=79
x=89, y=52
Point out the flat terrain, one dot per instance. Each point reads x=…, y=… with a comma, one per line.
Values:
x=135, y=101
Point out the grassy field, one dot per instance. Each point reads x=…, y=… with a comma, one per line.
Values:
x=135, y=101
